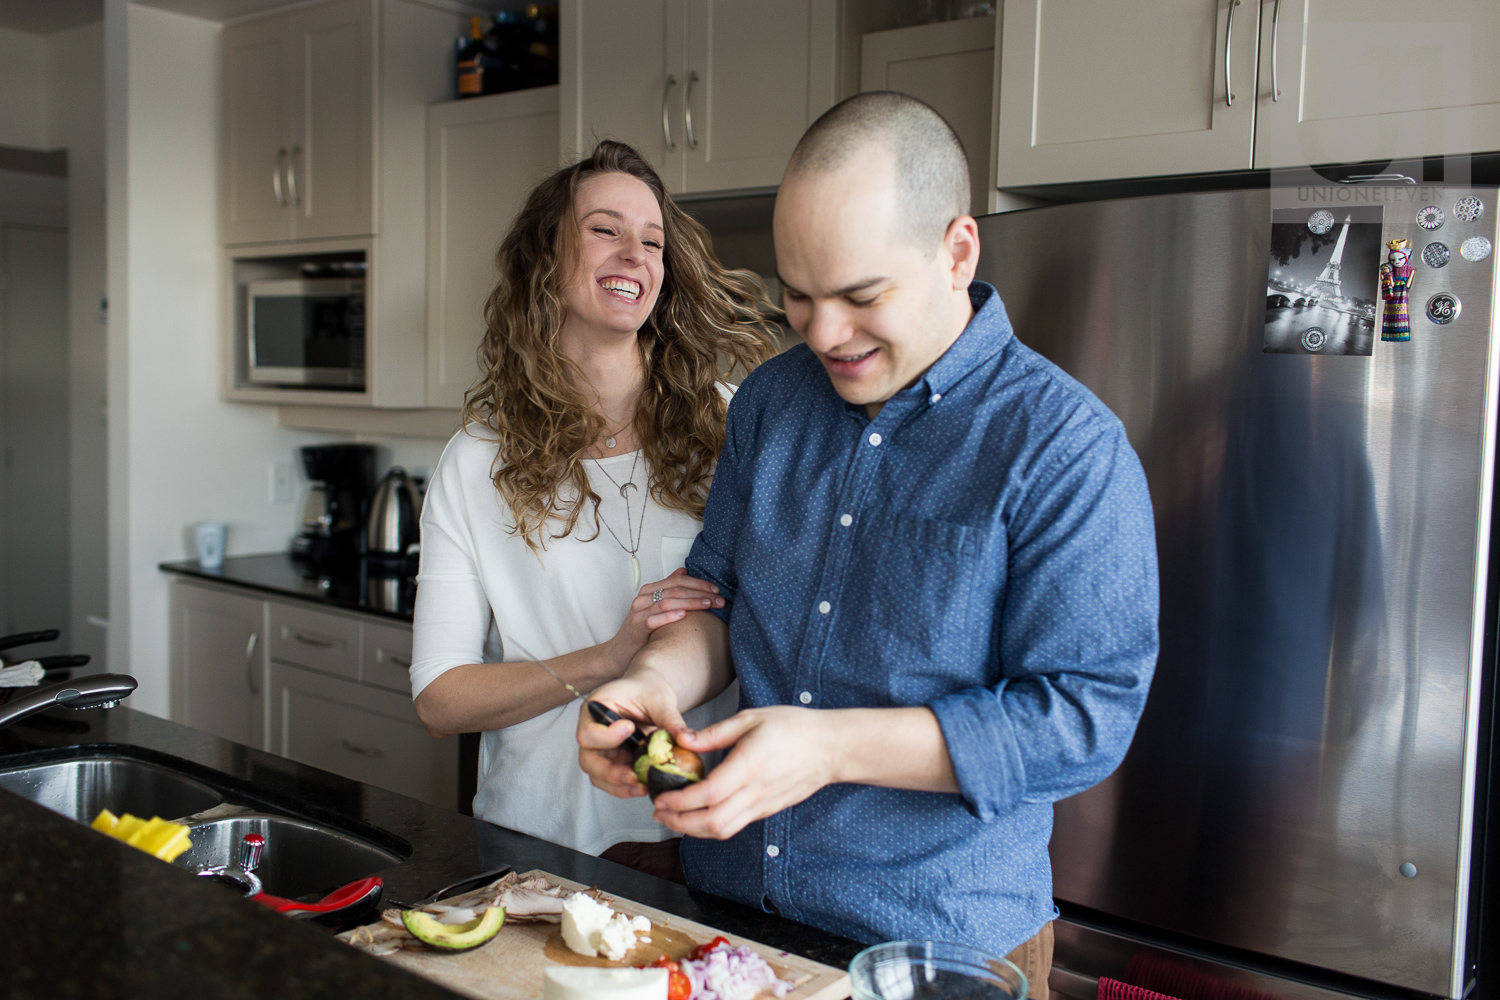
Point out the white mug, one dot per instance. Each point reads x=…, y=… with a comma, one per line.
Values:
x=209, y=536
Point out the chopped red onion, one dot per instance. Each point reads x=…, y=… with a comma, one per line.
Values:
x=732, y=974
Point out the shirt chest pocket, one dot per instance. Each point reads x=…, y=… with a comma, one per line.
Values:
x=920, y=581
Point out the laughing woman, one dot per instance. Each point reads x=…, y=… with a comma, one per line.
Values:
x=579, y=476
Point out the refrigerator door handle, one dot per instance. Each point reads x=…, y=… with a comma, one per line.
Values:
x=1229, y=54
x=1275, y=31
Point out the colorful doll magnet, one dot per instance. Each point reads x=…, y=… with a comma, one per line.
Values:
x=1395, y=289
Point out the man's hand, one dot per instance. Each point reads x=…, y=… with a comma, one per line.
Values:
x=781, y=756
x=645, y=696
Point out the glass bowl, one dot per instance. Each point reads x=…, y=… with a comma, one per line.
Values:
x=933, y=970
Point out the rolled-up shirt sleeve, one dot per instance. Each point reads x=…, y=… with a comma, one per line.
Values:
x=452, y=616
x=1078, y=632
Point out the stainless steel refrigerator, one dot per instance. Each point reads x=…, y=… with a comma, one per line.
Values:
x=1304, y=784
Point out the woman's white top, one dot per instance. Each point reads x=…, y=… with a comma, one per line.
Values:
x=484, y=597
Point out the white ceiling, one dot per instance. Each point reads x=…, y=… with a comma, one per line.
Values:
x=42, y=17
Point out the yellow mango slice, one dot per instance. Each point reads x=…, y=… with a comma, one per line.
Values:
x=127, y=826
x=105, y=822
x=172, y=848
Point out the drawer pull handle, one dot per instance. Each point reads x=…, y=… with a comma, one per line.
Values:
x=398, y=661
x=250, y=663
x=362, y=751
x=310, y=641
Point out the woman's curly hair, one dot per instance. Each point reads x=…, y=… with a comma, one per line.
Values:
x=707, y=321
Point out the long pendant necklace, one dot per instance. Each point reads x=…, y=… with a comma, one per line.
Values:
x=635, y=539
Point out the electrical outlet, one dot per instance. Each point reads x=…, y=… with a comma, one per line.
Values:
x=281, y=482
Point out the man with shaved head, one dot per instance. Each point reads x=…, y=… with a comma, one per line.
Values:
x=939, y=570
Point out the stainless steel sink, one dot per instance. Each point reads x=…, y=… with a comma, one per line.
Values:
x=80, y=788
x=299, y=857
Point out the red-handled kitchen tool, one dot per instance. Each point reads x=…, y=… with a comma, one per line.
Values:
x=353, y=894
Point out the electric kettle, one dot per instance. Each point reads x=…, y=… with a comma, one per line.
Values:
x=392, y=528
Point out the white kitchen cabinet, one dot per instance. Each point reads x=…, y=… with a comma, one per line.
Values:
x=298, y=124
x=325, y=123
x=620, y=78
x=259, y=130
x=1345, y=81
x=484, y=155
x=756, y=75
x=360, y=732
x=715, y=93
x=218, y=661
x=1090, y=91
x=950, y=66
x=324, y=687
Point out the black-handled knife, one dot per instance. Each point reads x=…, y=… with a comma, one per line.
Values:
x=604, y=715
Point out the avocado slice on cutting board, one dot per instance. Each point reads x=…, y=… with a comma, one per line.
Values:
x=454, y=937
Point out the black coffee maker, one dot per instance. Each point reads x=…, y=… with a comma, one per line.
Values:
x=333, y=518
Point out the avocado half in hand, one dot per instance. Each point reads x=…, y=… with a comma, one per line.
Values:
x=665, y=766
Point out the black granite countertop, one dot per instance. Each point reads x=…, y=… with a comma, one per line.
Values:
x=370, y=588
x=89, y=916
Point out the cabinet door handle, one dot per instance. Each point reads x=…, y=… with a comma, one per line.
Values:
x=291, y=170
x=666, y=117
x=398, y=661
x=362, y=751
x=1275, y=30
x=1229, y=53
x=308, y=640
x=687, y=110
x=276, y=177
x=250, y=680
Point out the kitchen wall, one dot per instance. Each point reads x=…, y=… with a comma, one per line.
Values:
x=54, y=99
x=23, y=81
x=178, y=454
x=75, y=109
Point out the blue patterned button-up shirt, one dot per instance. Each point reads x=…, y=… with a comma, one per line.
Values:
x=983, y=547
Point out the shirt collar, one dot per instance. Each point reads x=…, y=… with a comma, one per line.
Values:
x=988, y=331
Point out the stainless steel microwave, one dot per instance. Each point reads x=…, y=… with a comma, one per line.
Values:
x=307, y=332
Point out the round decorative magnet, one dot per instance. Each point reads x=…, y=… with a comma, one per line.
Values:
x=1443, y=308
x=1430, y=217
x=1475, y=248
x=1436, y=254
x=1314, y=339
x=1468, y=209
x=1320, y=221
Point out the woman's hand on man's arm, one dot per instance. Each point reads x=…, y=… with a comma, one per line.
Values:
x=476, y=697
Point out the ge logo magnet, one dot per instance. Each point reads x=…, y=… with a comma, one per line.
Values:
x=1314, y=339
x=1443, y=308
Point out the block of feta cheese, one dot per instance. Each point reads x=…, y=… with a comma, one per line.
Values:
x=591, y=928
x=563, y=982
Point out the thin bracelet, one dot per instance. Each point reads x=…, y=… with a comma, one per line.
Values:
x=576, y=693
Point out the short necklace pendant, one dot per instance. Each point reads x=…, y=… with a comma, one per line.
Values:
x=609, y=442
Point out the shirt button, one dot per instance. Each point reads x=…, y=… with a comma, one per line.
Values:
x=934, y=397
x=846, y=520
x=875, y=439
x=772, y=851
x=805, y=697
x=824, y=607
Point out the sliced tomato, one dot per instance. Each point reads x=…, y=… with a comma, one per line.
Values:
x=719, y=941
x=679, y=987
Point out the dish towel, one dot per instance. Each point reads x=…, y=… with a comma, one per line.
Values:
x=1113, y=989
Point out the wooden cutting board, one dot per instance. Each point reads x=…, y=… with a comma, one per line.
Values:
x=510, y=966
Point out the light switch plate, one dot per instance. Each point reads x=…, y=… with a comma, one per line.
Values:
x=281, y=482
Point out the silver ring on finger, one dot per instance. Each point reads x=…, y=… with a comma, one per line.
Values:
x=656, y=595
